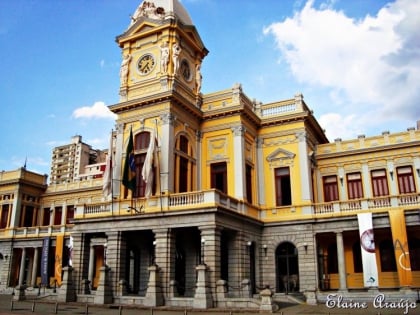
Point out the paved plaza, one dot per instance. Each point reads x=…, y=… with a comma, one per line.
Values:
x=42, y=307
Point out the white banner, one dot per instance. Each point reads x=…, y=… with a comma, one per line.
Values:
x=367, y=243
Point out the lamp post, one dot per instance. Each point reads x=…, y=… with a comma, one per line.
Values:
x=203, y=242
x=105, y=249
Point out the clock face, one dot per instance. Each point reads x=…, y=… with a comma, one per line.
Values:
x=367, y=242
x=185, y=70
x=146, y=64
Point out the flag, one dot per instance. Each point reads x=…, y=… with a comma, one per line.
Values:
x=107, y=178
x=147, y=171
x=129, y=174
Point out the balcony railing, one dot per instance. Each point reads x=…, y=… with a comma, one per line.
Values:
x=377, y=203
x=215, y=199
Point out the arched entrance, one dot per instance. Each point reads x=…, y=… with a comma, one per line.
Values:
x=287, y=269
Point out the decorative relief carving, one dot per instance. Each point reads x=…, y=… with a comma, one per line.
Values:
x=238, y=130
x=376, y=164
x=217, y=148
x=280, y=157
x=279, y=141
x=167, y=118
x=148, y=9
x=248, y=151
x=328, y=170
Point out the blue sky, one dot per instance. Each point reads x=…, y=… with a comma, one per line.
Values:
x=357, y=63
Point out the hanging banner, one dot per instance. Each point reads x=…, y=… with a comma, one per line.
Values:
x=367, y=243
x=402, y=254
x=44, y=261
x=59, y=245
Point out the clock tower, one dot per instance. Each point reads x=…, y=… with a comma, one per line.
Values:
x=160, y=82
x=161, y=52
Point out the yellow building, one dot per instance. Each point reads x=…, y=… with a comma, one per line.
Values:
x=213, y=197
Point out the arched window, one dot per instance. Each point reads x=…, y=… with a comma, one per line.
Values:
x=141, y=144
x=184, y=165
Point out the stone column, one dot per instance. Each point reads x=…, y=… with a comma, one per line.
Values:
x=260, y=170
x=199, y=139
x=341, y=262
x=35, y=266
x=114, y=259
x=239, y=161
x=91, y=263
x=22, y=267
x=166, y=164
x=211, y=249
x=165, y=257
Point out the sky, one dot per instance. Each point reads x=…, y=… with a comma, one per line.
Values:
x=356, y=62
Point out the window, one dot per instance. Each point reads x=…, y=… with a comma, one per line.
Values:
x=46, y=217
x=28, y=217
x=379, y=183
x=248, y=182
x=57, y=215
x=354, y=186
x=282, y=186
x=219, y=176
x=4, y=216
x=141, y=143
x=330, y=188
x=386, y=252
x=405, y=180
x=70, y=214
x=184, y=163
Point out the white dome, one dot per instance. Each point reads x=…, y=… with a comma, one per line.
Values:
x=171, y=8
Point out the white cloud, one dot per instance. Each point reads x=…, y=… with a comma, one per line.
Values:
x=344, y=126
x=97, y=111
x=372, y=63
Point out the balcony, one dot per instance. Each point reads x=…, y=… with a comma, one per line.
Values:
x=215, y=199
x=175, y=202
x=383, y=203
x=212, y=199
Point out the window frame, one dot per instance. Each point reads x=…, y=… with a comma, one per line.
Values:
x=330, y=188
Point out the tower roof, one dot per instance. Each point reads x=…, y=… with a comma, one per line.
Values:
x=162, y=9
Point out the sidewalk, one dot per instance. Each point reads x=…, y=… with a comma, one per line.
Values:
x=40, y=307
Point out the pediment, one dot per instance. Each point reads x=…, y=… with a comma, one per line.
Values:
x=280, y=154
x=140, y=27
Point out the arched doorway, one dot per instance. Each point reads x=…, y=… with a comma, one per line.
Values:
x=287, y=269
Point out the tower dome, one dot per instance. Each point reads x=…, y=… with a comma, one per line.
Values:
x=162, y=9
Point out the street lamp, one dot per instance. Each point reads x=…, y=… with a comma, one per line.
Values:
x=203, y=242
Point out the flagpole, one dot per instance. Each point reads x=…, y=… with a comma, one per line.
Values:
x=112, y=170
x=160, y=174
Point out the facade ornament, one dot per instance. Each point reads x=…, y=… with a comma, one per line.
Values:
x=124, y=69
x=198, y=78
x=149, y=10
x=167, y=118
x=164, y=57
x=176, y=50
x=238, y=130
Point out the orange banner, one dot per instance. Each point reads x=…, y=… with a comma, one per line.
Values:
x=59, y=244
x=402, y=254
